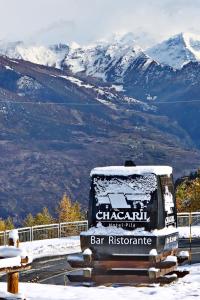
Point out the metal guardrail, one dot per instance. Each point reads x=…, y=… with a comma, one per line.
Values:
x=184, y=219
x=50, y=231
x=58, y=230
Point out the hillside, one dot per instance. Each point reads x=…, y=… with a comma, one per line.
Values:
x=55, y=127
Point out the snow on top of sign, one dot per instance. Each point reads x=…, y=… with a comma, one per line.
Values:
x=138, y=170
x=114, y=230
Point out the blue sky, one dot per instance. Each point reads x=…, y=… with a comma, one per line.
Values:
x=50, y=21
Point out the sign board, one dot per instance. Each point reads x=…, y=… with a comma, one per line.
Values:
x=106, y=245
x=124, y=201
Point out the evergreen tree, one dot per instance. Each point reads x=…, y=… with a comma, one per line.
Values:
x=9, y=223
x=67, y=211
x=2, y=225
x=29, y=220
x=44, y=217
x=188, y=190
x=76, y=212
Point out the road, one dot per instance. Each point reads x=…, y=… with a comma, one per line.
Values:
x=184, y=244
x=49, y=270
x=52, y=270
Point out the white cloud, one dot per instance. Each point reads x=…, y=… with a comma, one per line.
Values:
x=87, y=20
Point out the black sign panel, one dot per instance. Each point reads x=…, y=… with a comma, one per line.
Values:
x=167, y=189
x=106, y=245
x=124, y=201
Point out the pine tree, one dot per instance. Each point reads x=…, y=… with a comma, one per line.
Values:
x=9, y=223
x=67, y=211
x=29, y=220
x=188, y=190
x=2, y=225
x=76, y=212
x=44, y=217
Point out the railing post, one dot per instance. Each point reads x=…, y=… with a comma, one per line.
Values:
x=59, y=232
x=13, y=277
x=32, y=237
x=4, y=238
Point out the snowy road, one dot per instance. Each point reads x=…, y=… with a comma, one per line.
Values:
x=48, y=271
x=53, y=270
x=187, y=288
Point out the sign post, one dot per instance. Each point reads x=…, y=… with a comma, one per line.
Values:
x=13, y=277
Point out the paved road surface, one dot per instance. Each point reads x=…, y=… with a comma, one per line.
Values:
x=49, y=270
x=185, y=245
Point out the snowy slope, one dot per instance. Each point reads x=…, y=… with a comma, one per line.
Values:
x=107, y=58
x=38, y=54
x=99, y=59
x=52, y=247
x=177, y=50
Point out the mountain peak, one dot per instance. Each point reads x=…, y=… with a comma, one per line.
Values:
x=178, y=50
x=105, y=56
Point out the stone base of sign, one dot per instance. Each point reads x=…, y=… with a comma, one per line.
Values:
x=128, y=260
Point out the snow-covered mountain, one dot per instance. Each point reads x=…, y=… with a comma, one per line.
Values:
x=111, y=58
x=105, y=57
x=177, y=50
x=49, y=56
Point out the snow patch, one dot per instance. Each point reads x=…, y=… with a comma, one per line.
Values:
x=118, y=88
x=26, y=83
x=52, y=247
x=10, y=262
x=77, y=81
x=184, y=232
x=183, y=254
x=87, y=252
x=9, y=68
x=171, y=258
x=13, y=234
x=153, y=252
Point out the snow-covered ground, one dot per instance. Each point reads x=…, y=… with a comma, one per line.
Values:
x=52, y=247
x=68, y=245
x=184, y=232
x=186, y=288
